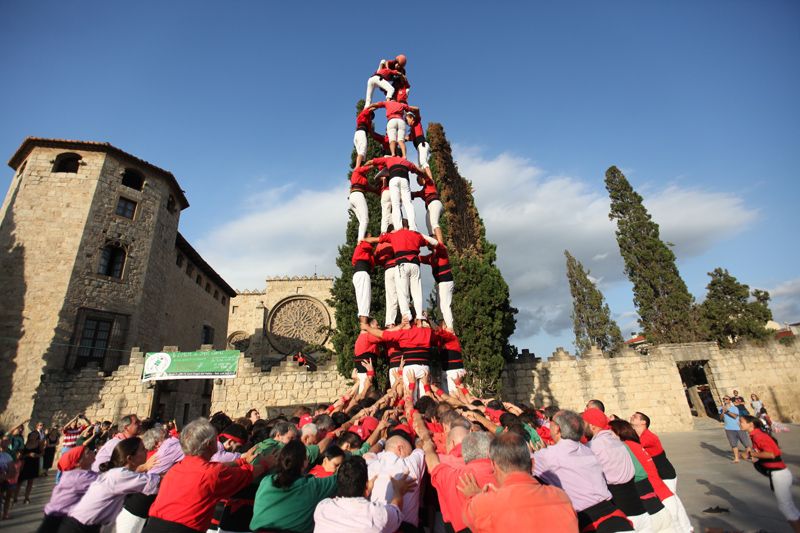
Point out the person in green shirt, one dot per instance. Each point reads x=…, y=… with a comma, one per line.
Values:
x=286, y=499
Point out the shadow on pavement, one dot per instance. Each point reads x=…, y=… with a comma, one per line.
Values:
x=726, y=454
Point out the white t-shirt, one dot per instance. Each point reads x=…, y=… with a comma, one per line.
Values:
x=386, y=465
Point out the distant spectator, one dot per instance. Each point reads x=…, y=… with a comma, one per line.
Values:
x=730, y=416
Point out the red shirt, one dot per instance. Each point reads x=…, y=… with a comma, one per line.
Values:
x=651, y=443
x=429, y=192
x=417, y=131
x=444, y=478
x=519, y=505
x=405, y=243
x=191, y=489
x=439, y=262
x=387, y=73
x=384, y=255
x=358, y=179
x=662, y=491
x=398, y=166
x=364, y=119
x=384, y=140
x=450, y=350
x=366, y=345
x=764, y=443
x=363, y=259
x=414, y=342
x=318, y=471
x=393, y=109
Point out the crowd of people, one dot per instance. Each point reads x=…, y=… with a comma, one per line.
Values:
x=384, y=462
x=419, y=456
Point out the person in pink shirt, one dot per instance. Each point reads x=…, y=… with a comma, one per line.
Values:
x=118, y=477
x=351, y=510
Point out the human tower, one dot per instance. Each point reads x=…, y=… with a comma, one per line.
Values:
x=408, y=335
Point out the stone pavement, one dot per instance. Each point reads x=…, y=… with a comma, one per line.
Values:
x=706, y=478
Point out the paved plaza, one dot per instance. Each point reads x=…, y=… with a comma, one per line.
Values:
x=706, y=478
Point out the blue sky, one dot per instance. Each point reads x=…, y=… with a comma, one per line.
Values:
x=250, y=104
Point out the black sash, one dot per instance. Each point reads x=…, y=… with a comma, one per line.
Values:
x=598, y=511
x=664, y=467
x=626, y=498
x=157, y=525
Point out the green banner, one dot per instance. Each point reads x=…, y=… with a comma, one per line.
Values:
x=190, y=365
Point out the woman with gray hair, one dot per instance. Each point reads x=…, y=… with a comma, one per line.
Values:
x=191, y=488
x=135, y=510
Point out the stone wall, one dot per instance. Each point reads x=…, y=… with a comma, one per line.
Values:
x=772, y=371
x=39, y=240
x=652, y=384
x=283, y=386
x=99, y=396
x=626, y=384
x=53, y=227
x=262, y=323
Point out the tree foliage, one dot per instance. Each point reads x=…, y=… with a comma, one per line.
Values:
x=729, y=313
x=482, y=311
x=591, y=317
x=666, y=308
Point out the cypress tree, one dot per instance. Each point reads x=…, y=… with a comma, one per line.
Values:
x=591, y=317
x=729, y=314
x=666, y=308
x=343, y=298
x=482, y=311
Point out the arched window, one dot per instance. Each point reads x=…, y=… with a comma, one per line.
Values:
x=67, y=162
x=133, y=179
x=112, y=261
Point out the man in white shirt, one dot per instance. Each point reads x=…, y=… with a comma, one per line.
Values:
x=396, y=460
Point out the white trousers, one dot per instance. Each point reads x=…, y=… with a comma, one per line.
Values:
x=409, y=280
x=377, y=81
x=641, y=523
x=386, y=210
x=444, y=291
x=390, y=288
x=401, y=193
x=358, y=205
x=433, y=214
x=423, y=154
x=396, y=130
x=360, y=142
x=662, y=522
x=419, y=372
x=449, y=378
x=680, y=519
x=672, y=484
x=363, y=287
x=129, y=523
x=782, y=482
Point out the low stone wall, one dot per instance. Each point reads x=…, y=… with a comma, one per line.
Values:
x=91, y=392
x=651, y=383
x=632, y=382
x=283, y=386
x=772, y=371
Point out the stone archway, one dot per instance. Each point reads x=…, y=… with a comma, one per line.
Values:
x=296, y=322
x=239, y=340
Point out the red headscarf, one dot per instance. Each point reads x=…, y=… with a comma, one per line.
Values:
x=595, y=417
x=71, y=459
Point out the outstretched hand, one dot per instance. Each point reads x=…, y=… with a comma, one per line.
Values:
x=403, y=485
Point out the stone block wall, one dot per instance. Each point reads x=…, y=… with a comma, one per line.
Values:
x=771, y=370
x=283, y=386
x=625, y=384
x=91, y=392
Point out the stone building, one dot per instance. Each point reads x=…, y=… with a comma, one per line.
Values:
x=91, y=266
x=290, y=314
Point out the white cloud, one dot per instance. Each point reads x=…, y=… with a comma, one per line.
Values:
x=533, y=216
x=280, y=231
x=786, y=301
